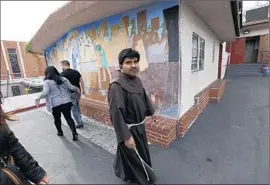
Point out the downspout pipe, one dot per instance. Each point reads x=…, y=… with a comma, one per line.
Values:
x=236, y=8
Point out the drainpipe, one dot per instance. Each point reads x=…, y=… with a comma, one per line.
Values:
x=236, y=18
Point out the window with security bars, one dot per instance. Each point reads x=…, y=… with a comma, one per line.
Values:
x=198, y=50
x=15, y=90
x=14, y=62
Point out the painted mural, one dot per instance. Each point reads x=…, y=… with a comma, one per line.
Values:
x=93, y=49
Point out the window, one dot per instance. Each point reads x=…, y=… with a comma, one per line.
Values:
x=15, y=90
x=14, y=62
x=198, y=47
x=214, y=52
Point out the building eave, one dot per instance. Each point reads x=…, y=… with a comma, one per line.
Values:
x=222, y=17
x=75, y=14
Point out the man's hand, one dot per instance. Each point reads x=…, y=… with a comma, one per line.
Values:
x=37, y=101
x=130, y=143
x=44, y=180
x=154, y=118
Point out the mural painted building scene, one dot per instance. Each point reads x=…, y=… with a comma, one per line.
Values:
x=93, y=50
x=182, y=64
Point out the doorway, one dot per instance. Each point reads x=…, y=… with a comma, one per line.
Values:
x=220, y=60
x=251, y=49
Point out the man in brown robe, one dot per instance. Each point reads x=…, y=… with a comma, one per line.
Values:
x=129, y=106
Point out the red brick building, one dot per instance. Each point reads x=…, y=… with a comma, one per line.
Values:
x=17, y=65
x=253, y=44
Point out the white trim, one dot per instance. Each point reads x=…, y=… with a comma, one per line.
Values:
x=22, y=62
x=5, y=56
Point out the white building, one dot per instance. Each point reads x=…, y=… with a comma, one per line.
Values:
x=181, y=46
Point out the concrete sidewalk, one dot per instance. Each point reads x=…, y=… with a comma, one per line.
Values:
x=228, y=143
x=65, y=161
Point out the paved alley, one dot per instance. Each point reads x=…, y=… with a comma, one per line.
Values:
x=228, y=143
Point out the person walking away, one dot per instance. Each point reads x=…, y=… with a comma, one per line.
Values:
x=128, y=107
x=17, y=166
x=75, y=79
x=58, y=99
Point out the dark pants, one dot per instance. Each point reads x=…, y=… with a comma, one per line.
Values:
x=65, y=109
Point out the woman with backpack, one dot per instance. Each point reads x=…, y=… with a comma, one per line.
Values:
x=56, y=90
x=17, y=166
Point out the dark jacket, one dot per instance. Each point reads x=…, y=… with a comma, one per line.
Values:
x=9, y=145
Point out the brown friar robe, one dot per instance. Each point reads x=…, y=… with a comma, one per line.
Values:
x=129, y=104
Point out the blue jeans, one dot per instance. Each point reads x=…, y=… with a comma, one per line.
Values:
x=76, y=111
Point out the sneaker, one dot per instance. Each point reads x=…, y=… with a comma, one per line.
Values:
x=60, y=134
x=79, y=126
x=75, y=137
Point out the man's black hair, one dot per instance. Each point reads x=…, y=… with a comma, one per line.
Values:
x=128, y=53
x=65, y=62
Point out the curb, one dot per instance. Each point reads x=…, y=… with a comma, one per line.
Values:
x=27, y=108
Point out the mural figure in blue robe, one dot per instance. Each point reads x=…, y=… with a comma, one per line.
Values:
x=104, y=62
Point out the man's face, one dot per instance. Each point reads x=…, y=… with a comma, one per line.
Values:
x=131, y=66
x=64, y=67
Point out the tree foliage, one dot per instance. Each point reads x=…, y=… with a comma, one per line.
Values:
x=28, y=47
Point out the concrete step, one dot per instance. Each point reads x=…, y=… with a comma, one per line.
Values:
x=243, y=65
x=244, y=70
x=244, y=75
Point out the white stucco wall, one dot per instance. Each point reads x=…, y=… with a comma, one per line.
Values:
x=254, y=32
x=194, y=82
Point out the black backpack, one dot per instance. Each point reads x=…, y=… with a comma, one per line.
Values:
x=10, y=173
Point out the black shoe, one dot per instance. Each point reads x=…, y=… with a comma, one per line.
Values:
x=60, y=134
x=128, y=181
x=75, y=137
x=79, y=126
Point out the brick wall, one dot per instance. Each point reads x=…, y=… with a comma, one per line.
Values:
x=11, y=45
x=264, y=54
x=162, y=132
x=34, y=66
x=212, y=94
x=3, y=66
x=238, y=51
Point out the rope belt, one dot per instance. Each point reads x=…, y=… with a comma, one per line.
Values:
x=144, y=164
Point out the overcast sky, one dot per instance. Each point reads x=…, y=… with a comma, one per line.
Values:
x=251, y=4
x=20, y=20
